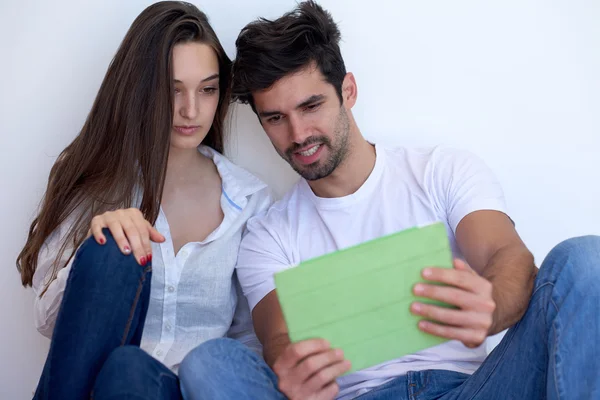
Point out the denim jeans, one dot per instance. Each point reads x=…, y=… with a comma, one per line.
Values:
x=95, y=344
x=553, y=352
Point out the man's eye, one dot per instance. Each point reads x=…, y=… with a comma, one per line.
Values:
x=274, y=119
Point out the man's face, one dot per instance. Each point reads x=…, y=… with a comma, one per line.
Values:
x=302, y=115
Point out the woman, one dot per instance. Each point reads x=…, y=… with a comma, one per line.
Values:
x=146, y=178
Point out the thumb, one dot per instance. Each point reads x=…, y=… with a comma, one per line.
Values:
x=462, y=265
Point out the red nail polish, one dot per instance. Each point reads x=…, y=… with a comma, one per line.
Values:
x=101, y=241
x=143, y=261
x=149, y=257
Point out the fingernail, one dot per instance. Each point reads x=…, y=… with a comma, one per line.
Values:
x=419, y=289
x=149, y=257
x=143, y=261
x=427, y=272
x=126, y=250
x=417, y=307
x=101, y=241
x=339, y=353
x=423, y=324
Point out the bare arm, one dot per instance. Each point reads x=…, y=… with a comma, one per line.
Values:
x=490, y=294
x=493, y=248
x=270, y=327
x=306, y=369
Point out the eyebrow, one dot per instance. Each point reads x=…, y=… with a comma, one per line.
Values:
x=210, y=78
x=312, y=99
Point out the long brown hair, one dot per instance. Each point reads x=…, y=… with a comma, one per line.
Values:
x=123, y=146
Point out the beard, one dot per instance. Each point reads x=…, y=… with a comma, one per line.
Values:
x=338, y=150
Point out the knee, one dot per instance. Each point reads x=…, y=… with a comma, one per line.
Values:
x=91, y=248
x=209, y=354
x=95, y=258
x=121, y=367
x=578, y=257
x=216, y=357
x=124, y=356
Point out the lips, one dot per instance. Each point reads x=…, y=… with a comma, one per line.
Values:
x=309, y=154
x=186, y=129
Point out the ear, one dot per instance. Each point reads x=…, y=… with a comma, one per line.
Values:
x=349, y=90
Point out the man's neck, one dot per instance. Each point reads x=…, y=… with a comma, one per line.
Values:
x=351, y=174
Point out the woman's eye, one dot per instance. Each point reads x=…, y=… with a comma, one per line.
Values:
x=209, y=90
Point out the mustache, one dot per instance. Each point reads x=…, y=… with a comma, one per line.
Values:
x=311, y=140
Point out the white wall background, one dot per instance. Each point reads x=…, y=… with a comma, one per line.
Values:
x=516, y=81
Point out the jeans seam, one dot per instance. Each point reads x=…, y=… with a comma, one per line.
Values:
x=555, y=353
x=511, y=338
x=134, y=304
x=163, y=375
x=493, y=369
x=423, y=386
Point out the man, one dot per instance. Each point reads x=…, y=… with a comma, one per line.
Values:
x=292, y=74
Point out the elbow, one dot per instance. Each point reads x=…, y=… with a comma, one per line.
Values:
x=44, y=323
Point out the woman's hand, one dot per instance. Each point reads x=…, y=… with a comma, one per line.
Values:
x=130, y=230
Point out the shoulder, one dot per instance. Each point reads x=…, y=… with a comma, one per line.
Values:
x=279, y=213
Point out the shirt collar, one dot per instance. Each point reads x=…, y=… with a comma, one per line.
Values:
x=237, y=183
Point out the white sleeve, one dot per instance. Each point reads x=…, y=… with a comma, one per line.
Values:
x=46, y=307
x=261, y=255
x=462, y=183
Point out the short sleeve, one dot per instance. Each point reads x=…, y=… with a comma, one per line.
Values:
x=462, y=183
x=261, y=255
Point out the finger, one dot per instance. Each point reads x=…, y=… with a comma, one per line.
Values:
x=469, y=337
x=155, y=235
x=455, y=296
x=96, y=227
x=462, y=265
x=117, y=231
x=134, y=239
x=316, y=362
x=329, y=392
x=454, y=277
x=296, y=352
x=144, y=233
x=458, y=318
x=324, y=377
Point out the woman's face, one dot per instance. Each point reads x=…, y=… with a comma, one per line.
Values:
x=196, y=83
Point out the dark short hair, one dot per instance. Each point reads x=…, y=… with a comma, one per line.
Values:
x=269, y=50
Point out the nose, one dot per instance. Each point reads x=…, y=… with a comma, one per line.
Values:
x=189, y=109
x=298, y=130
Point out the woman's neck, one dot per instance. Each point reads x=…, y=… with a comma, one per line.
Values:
x=185, y=165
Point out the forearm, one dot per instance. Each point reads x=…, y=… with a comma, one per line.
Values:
x=512, y=273
x=273, y=348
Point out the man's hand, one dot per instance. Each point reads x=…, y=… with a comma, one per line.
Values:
x=471, y=293
x=307, y=370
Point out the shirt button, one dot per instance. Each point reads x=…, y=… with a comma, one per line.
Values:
x=171, y=289
x=168, y=327
x=159, y=353
x=184, y=254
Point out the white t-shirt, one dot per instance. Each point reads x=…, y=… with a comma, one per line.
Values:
x=406, y=188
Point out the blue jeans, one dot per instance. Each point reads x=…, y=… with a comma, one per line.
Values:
x=553, y=352
x=95, y=344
